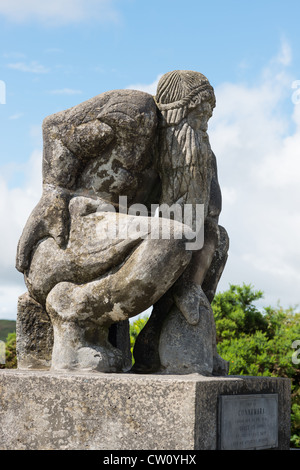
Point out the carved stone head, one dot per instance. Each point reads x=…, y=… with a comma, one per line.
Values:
x=181, y=91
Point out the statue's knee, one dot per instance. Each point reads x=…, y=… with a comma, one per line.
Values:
x=60, y=302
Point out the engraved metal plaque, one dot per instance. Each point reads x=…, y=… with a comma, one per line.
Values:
x=248, y=422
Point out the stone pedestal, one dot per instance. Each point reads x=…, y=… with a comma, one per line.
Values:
x=41, y=410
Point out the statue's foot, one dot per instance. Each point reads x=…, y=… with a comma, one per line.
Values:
x=99, y=359
x=190, y=300
x=88, y=358
x=221, y=367
x=79, y=343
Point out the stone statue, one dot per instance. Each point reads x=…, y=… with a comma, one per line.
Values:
x=180, y=336
x=90, y=264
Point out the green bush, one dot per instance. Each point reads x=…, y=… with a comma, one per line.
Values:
x=135, y=327
x=10, y=352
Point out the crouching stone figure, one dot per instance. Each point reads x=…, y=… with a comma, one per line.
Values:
x=91, y=256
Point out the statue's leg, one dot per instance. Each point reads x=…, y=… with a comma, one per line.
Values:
x=145, y=351
x=210, y=284
x=217, y=265
x=188, y=291
x=79, y=311
x=196, y=288
x=189, y=298
x=186, y=294
x=119, y=337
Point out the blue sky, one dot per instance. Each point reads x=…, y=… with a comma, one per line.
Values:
x=53, y=55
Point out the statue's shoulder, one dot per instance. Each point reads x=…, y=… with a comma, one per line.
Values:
x=118, y=108
x=127, y=108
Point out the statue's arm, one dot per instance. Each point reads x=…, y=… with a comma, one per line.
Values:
x=203, y=258
x=67, y=148
x=215, y=199
x=68, y=145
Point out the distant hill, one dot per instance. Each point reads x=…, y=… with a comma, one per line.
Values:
x=6, y=327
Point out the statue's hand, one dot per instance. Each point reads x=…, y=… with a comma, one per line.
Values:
x=50, y=218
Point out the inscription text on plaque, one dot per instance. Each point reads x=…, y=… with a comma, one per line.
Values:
x=248, y=421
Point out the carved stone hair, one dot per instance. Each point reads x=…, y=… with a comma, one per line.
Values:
x=180, y=91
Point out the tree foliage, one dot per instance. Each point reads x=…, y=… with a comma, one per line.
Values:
x=135, y=328
x=10, y=352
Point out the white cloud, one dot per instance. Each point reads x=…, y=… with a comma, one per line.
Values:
x=53, y=50
x=31, y=67
x=15, y=207
x=14, y=55
x=257, y=140
x=151, y=88
x=16, y=116
x=284, y=56
x=58, y=12
x=9, y=300
x=65, y=91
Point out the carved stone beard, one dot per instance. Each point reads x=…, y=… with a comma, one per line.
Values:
x=185, y=165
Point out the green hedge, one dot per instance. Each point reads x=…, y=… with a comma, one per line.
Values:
x=10, y=352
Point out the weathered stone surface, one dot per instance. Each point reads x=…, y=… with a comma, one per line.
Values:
x=34, y=335
x=101, y=148
x=186, y=349
x=128, y=144
x=119, y=337
x=47, y=411
x=93, y=153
